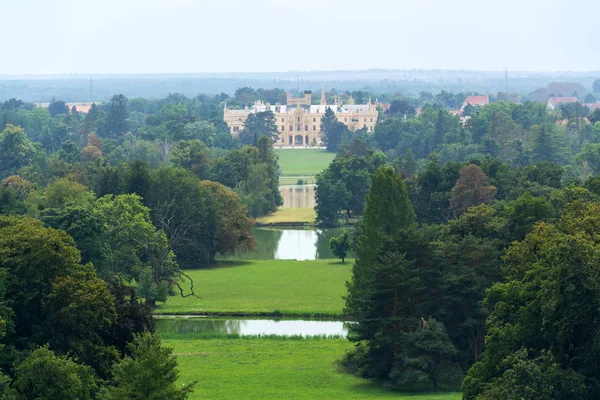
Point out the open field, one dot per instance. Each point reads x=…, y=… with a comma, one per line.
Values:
x=258, y=368
x=286, y=287
x=288, y=216
x=303, y=162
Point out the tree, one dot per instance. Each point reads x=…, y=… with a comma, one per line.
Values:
x=233, y=226
x=547, y=302
x=386, y=295
x=16, y=150
x=55, y=299
x=256, y=125
x=331, y=196
x=594, y=117
x=547, y=145
x=472, y=189
x=135, y=249
x=193, y=156
x=150, y=373
x=589, y=98
x=328, y=121
x=401, y=108
x=340, y=245
x=64, y=191
x=46, y=376
x=58, y=107
x=116, y=119
x=596, y=86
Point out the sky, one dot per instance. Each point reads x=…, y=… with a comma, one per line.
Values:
x=192, y=36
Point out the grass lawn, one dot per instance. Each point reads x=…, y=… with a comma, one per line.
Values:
x=259, y=368
x=266, y=286
x=289, y=215
x=303, y=162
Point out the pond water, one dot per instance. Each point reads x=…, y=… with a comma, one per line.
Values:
x=291, y=244
x=298, y=196
x=195, y=326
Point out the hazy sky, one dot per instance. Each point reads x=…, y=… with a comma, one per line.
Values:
x=179, y=36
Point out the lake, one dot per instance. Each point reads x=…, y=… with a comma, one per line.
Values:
x=194, y=326
x=291, y=244
x=298, y=196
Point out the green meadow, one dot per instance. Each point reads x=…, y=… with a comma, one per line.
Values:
x=303, y=162
x=286, y=287
x=271, y=368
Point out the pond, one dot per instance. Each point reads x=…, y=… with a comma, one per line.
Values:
x=291, y=244
x=298, y=196
x=194, y=326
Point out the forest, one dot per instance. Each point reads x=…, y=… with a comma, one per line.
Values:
x=475, y=240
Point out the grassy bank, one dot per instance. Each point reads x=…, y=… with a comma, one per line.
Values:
x=303, y=162
x=289, y=216
x=265, y=287
x=276, y=369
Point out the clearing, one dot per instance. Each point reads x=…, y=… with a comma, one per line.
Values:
x=286, y=287
x=276, y=368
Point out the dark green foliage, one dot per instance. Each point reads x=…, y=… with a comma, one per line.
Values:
x=547, y=144
x=342, y=187
x=257, y=125
x=46, y=376
x=149, y=373
x=334, y=132
x=547, y=305
x=388, y=293
x=116, y=119
x=340, y=245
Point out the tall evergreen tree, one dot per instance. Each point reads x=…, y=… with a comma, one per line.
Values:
x=547, y=144
x=116, y=120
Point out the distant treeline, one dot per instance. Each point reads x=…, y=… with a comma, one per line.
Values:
x=79, y=88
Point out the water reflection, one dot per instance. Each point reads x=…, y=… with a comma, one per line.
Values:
x=298, y=196
x=291, y=244
x=211, y=327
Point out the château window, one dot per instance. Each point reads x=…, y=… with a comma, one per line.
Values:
x=345, y=119
x=314, y=128
x=305, y=127
x=298, y=119
x=282, y=120
x=291, y=127
x=365, y=120
x=314, y=120
x=371, y=119
x=282, y=128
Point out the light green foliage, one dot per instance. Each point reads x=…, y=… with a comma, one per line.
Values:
x=65, y=191
x=149, y=373
x=278, y=369
x=16, y=150
x=286, y=286
x=135, y=248
x=46, y=376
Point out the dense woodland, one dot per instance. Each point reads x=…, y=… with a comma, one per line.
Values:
x=475, y=244
x=118, y=210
